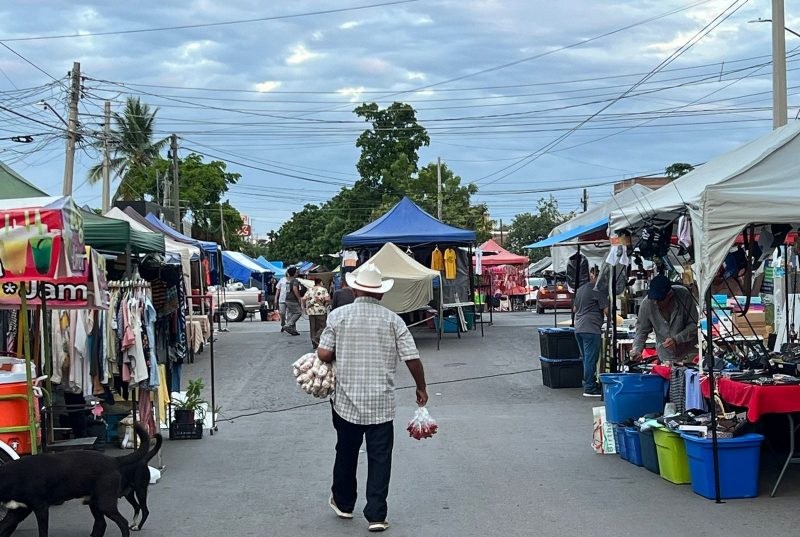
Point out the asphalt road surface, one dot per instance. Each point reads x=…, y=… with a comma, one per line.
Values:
x=511, y=458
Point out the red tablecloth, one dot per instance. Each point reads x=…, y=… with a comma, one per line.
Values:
x=758, y=400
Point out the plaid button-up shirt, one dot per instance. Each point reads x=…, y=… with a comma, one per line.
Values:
x=368, y=340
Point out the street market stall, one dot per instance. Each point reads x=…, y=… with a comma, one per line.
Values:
x=502, y=272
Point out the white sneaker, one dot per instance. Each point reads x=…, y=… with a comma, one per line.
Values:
x=378, y=526
x=339, y=512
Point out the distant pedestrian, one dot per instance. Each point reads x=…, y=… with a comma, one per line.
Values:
x=293, y=297
x=367, y=341
x=280, y=299
x=343, y=296
x=590, y=307
x=316, y=302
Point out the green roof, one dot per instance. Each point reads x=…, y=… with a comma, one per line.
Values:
x=13, y=185
x=114, y=235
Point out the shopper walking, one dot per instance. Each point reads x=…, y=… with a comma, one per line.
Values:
x=590, y=307
x=293, y=297
x=343, y=296
x=280, y=299
x=367, y=341
x=316, y=302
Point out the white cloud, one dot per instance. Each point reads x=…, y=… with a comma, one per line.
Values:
x=415, y=76
x=353, y=93
x=192, y=48
x=317, y=36
x=300, y=54
x=423, y=20
x=349, y=25
x=267, y=85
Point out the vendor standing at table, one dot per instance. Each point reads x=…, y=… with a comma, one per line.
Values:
x=669, y=311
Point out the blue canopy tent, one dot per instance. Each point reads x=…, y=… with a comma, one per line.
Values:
x=279, y=272
x=278, y=264
x=408, y=225
x=238, y=266
x=573, y=233
x=210, y=248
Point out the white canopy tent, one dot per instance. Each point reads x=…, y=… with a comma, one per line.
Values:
x=413, y=282
x=186, y=252
x=594, y=254
x=758, y=182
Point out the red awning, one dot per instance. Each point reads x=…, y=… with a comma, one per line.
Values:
x=494, y=254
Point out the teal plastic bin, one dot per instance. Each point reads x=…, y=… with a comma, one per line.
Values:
x=632, y=395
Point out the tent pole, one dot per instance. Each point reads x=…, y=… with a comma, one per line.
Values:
x=577, y=285
x=711, y=392
x=441, y=313
x=786, y=290
x=613, y=323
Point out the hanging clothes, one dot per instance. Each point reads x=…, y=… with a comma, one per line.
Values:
x=349, y=258
x=479, y=262
x=437, y=260
x=450, y=264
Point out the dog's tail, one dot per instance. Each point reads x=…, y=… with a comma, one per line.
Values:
x=152, y=453
x=141, y=451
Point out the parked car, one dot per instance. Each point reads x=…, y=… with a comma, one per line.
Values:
x=534, y=284
x=234, y=302
x=553, y=296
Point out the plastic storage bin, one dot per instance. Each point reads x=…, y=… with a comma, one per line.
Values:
x=738, y=465
x=622, y=445
x=562, y=373
x=649, y=450
x=449, y=326
x=673, y=464
x=558, y=343
x=633, y=446
x=632, y=395
x=14, y=413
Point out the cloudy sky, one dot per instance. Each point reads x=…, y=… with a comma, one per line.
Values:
x=519, y=96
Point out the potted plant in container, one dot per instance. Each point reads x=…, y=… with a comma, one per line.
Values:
x=189, y=412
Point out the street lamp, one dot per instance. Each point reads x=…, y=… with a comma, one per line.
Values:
x=770, y=20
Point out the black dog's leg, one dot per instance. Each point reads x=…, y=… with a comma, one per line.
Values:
x=131, y=497
x=42, y=513
x=11, y=521
x=142, y=495
x=99, y=528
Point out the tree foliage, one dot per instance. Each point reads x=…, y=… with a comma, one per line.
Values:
x=527, y=228
x=677, y=169
x=388, y=169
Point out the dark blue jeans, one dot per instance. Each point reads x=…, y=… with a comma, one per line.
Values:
x=589, y=345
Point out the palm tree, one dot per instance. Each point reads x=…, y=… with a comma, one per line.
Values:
x=133, y=145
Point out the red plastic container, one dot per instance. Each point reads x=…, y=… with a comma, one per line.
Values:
x=14, y=413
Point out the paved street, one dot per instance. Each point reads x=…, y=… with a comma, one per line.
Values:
x=512, y=457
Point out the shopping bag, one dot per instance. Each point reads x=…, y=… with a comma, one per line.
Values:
x=422, y=425
x=602, y=432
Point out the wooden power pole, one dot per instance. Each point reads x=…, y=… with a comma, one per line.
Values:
x=72, y=128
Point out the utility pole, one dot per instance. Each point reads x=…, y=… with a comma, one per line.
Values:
x=221, y=226
x=72, y=128
x=439, y=188
x=585, y=200
x=779, y=99
x=176, y=213
x=107, y=158
x=501, y=232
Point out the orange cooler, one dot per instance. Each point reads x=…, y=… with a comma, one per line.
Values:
x=14, y=413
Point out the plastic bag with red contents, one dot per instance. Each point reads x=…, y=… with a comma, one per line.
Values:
x=422, y=425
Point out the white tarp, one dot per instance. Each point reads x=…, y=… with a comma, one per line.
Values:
x=413, y=282
x=758, y=182
x=594, y=254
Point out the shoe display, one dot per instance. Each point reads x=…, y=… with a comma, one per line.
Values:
x=378, y=526
x=339, y=512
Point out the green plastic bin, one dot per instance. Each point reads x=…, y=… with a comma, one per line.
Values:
x=673, y=464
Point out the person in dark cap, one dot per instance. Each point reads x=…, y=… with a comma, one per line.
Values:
x=671, y=313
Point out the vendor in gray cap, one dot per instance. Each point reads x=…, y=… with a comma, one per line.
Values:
x=669, y=311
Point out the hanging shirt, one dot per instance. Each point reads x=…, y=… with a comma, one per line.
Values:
x=450, y=264
x=437, y=261
x=349, y=258
x=478, y=262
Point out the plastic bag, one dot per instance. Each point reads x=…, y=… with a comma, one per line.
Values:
x=422, y=425
x=314, y=376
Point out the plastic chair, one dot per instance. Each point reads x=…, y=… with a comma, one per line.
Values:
x=505, y=303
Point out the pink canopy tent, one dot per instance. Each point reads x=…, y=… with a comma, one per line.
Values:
x=494, y=254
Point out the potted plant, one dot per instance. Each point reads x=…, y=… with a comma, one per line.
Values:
x=193, y=407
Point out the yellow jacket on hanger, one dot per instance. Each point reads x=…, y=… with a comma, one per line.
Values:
x=450, y=264
x=437, y=261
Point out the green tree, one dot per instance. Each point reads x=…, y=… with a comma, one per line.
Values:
x=527, y=228
x=677, y=169
x=201, y=188
x=134, y=146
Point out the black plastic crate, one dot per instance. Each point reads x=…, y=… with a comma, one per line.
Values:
x=649, y=451
x=562, y=373
x=185, y=431
x=558, y=343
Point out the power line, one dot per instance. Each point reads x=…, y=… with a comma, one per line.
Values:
x=209, y=24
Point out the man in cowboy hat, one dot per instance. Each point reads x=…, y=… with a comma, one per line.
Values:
x=367, y=341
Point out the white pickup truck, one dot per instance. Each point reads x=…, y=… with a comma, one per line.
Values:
x=234, y=301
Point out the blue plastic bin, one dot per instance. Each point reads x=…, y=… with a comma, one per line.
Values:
x=619, y=438
x=632, y=395
x=633, y=446
x=739, y=460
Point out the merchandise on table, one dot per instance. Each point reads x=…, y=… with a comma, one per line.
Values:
x=314, y=376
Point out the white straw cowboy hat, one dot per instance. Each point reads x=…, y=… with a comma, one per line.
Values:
x=368, y=278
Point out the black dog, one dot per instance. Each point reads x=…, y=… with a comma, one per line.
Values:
x=135, y=480
x=33, y=484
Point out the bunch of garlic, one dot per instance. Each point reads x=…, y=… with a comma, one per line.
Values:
x=314, y=376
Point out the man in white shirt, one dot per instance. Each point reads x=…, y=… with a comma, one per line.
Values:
x=280, y=299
